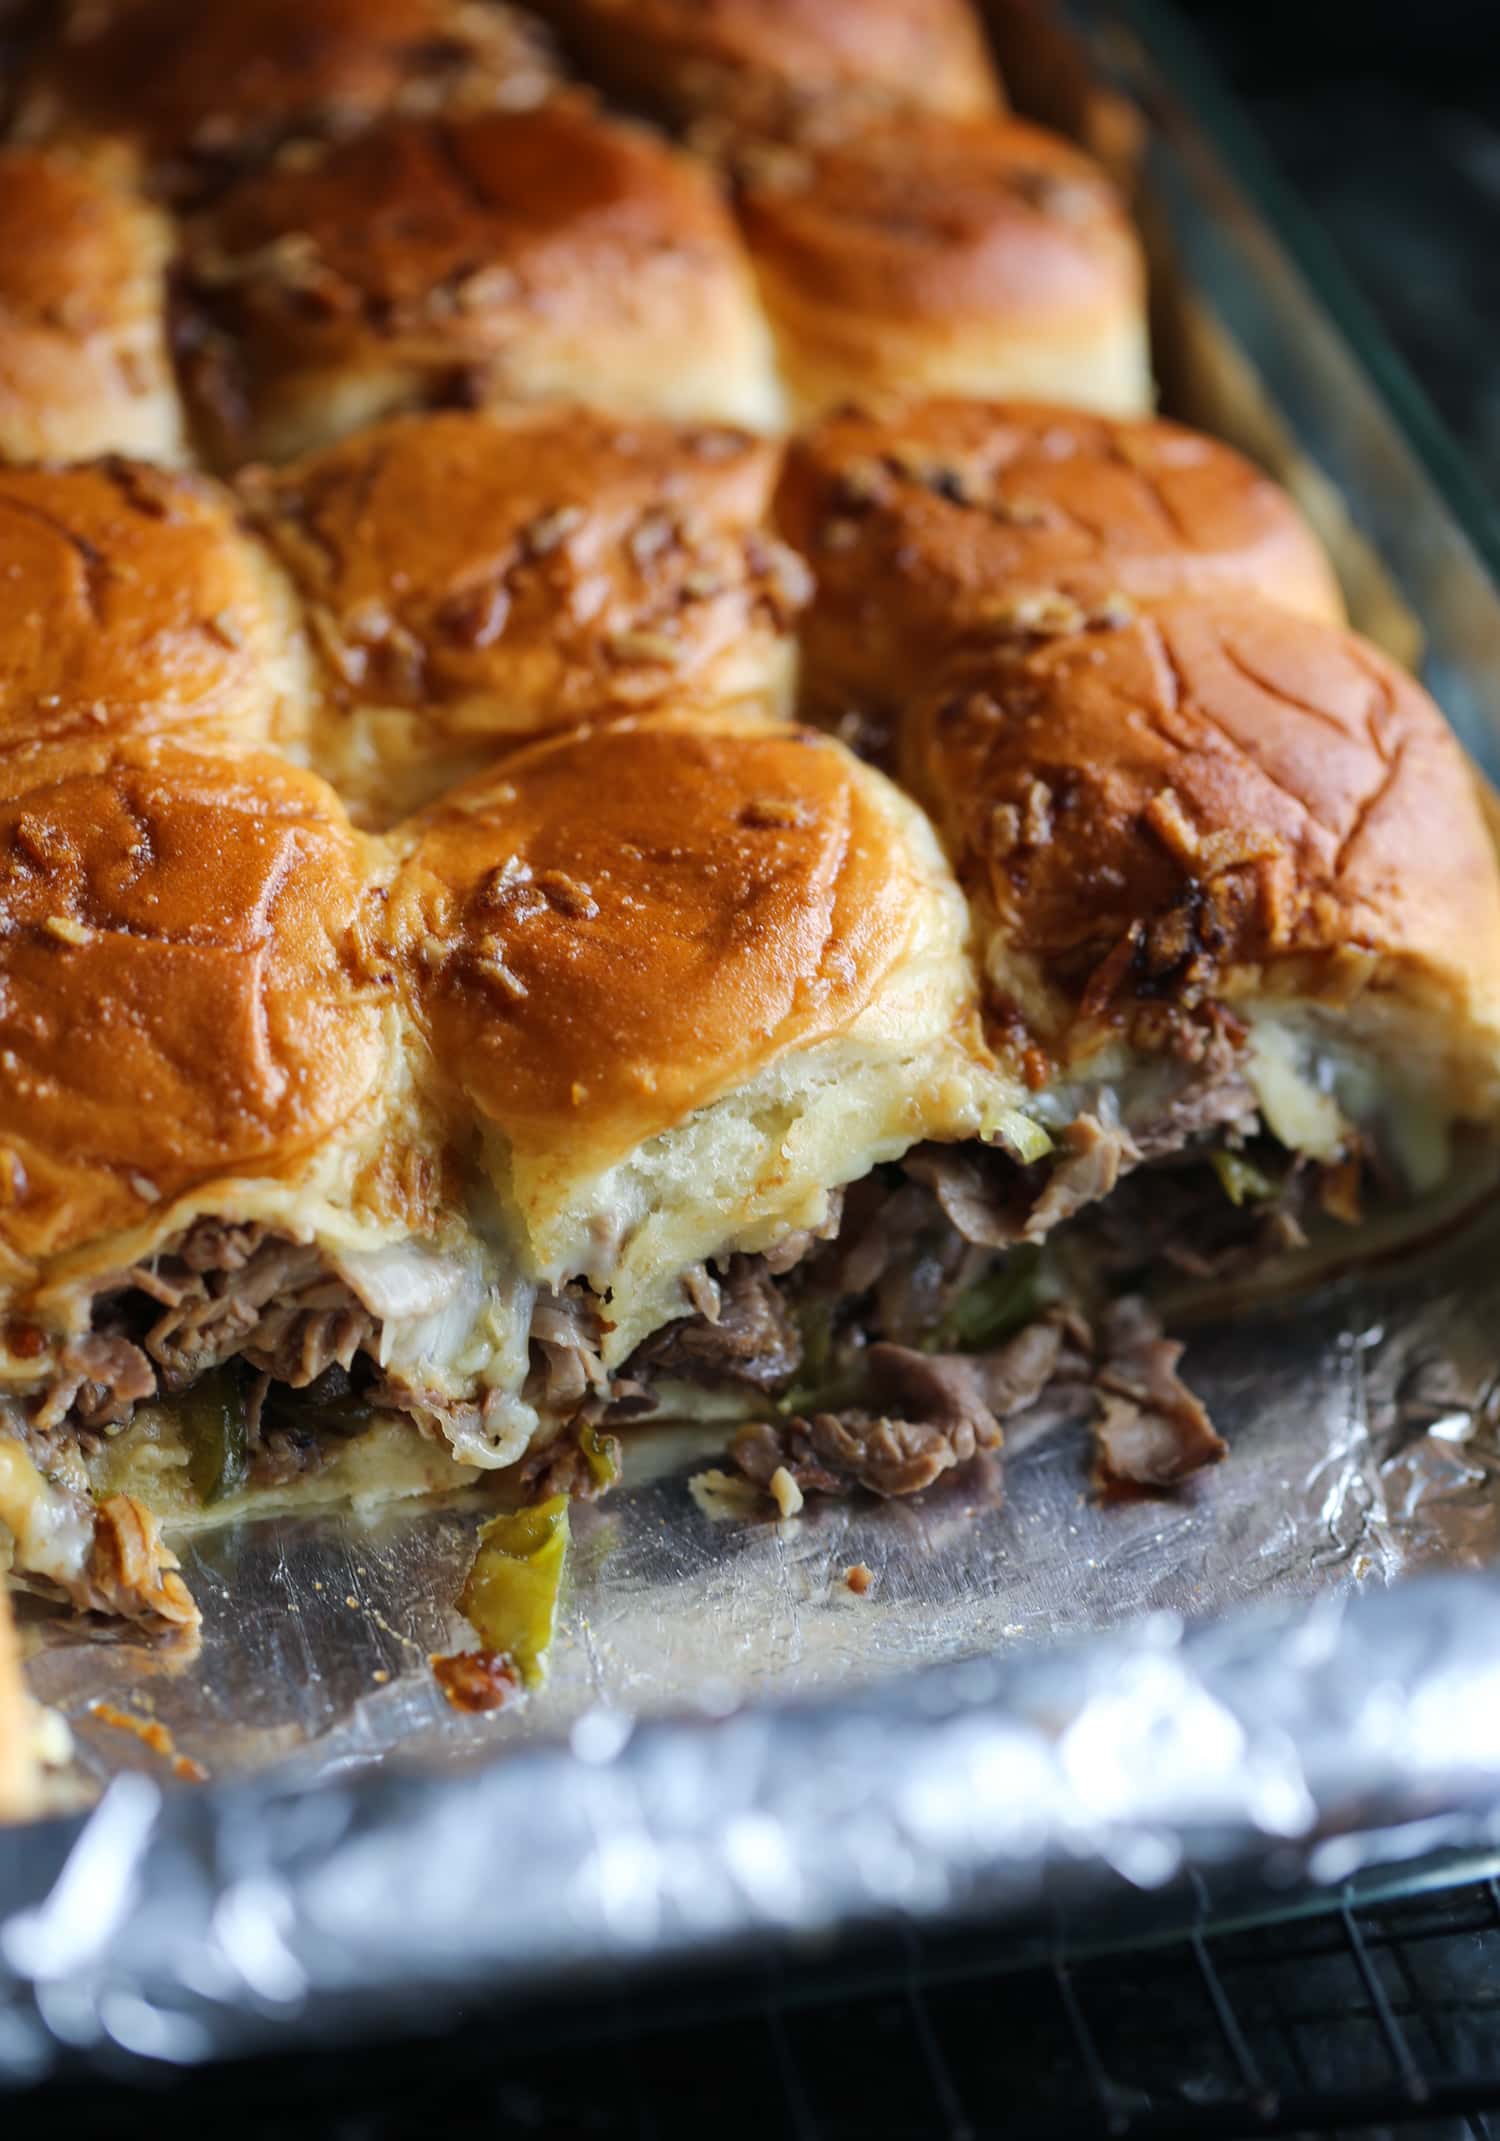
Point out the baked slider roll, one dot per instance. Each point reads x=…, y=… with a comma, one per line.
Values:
x=474, y=579
x=186, y=93
x=928, y=255
x=928, y=523
x=510, y=256
x=1238, y=914
x=135, y=602
x=214, y=1185
x=84, y=364
x=691, y=978
x=768, y=64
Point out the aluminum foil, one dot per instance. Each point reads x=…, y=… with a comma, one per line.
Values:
x=650, y=1801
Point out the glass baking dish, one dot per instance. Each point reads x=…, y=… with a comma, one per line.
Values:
x=732, y=1746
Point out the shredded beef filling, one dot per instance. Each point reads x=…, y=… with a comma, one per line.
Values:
x=565, y=1337
x=898, y=1336
x=218, y=1293
x=1149, y=1429
x=928, y=1268
x=222, y=1292
x=946, y=1417
x=751, y=1337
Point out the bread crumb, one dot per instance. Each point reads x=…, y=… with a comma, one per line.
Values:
x=1166, y=818
x=67, y=931
x=785, y=1492
x=1227, y=850
x=859, y=1578
x=722, y=1495
x=643, y=646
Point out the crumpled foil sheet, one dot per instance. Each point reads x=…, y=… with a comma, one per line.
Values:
x=364, y=1853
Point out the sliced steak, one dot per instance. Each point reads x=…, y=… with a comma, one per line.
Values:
x=833, y=1453
x=1150, y=1430
x=257, y=1304
x=1096, y=1155
x=99, y=1379
x=569, y=1465
x=754, y=1339
x=1201, y=1110
x=131, y=1572
x=220, y=1292
x=219, y=1244
x=993, y=1202
x=1053, y=1351
x=979, y=1190
x=565, y=1341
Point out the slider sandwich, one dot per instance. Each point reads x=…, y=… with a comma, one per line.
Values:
x=922, y=254
x=472, y=580
x=775, y=65
x=201, y=1085
x=341, y=1166
x=669, y=1063
x=469, y=259
x=931, y=524
x=181, y=98
x=85, y=366
x=1237, y=919
x=137, y=604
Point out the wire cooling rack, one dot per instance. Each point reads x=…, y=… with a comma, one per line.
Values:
x=1367, y=2012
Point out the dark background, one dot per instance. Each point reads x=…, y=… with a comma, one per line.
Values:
x=1386, y=117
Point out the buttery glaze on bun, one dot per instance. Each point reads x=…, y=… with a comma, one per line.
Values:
x=1220, y=801
x=764, y=63
x=134, y=602
x=471, y=580
x=507, y=256
x=923, y=254
x=691, y=975
x=931, y=522
x=192, y=89
x=182, y=995
x=84, y=365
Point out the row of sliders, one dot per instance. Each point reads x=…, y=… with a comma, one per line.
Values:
x=243, y=234
x=529, y=900
x=675, y=1047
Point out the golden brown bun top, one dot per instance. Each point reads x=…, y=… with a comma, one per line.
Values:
x=83, y=359
x=919, y=217
x=618, y=925
x=1157, y=813
x=949, y=516
x=199, y=85
x=760, y=62
x=131, y=599
x=445, y=231
x=180, y=981
x=72, y=239
x=563, y=563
